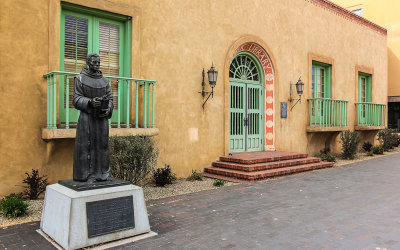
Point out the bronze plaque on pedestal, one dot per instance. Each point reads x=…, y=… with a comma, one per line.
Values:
x=109, y=216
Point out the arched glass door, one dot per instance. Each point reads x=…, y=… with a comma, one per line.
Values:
x=246, y=95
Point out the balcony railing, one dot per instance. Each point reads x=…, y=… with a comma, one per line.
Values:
x=60, y=93
x=327, y=112
x=371, y=114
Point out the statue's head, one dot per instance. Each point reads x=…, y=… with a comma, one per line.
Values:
x=93, y=61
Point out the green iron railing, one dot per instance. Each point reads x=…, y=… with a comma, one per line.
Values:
x=327, y=112
x=148, y=86
x=371, y=114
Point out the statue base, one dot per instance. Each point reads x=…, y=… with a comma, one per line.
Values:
x=77, y=219
x=83, y=186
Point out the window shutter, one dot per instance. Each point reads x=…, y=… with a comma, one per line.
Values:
x=75, y=48
x=109, y=36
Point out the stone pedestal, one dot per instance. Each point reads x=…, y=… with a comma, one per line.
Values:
x=77, y=219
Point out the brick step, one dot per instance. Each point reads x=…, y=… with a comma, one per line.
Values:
x=258, y=175
x=261, y=157
x=266, y=165
x=225, y=178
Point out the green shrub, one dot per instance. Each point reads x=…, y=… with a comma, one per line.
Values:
x=163, y=176
x=132, y=158
x=195, y=176
x=218, y=183
x=14, y=207
x=369, y=153
x=387, y=138
x=350, y=142
x=378, y=150
x=35, y=184
x=327, y=157
x=367, y=146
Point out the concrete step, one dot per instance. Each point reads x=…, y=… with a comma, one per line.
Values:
x=263, y=174
x=261, y=157
x=266, y=165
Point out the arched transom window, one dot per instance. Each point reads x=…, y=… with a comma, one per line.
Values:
x=243, y=67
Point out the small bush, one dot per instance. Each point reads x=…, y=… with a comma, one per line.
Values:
x=350, y=142
x=397, y=140
x=14, y=207
x=218, y=183
x=388, y=138
x=163, y=176
x=369, y=153
x=367, y=146
x=35, y=184
x=132, y=158
x=378, y=150
x=195, y=176
x=327, y=157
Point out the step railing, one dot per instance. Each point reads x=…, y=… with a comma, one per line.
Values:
x=327, y=112
x=54, y=96
x=371, y=114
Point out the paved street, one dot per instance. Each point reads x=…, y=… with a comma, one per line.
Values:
x=351, y=207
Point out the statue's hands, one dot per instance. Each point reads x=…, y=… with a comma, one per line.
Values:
x=105, y=112
x=95, y=102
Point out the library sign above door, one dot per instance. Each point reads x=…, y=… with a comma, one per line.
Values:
x=265, y=61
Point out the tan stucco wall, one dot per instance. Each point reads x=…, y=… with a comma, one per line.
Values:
x=386, y=14
x=172, y=42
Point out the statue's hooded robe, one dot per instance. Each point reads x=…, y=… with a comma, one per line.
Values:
x=91, y=158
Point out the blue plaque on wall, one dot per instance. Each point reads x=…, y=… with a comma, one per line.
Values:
x=283, y=109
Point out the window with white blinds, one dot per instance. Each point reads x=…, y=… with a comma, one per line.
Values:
x=75, y=49
x=109, y=48
x=76, y=43
x=109, y=41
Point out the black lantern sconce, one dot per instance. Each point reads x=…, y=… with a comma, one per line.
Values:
x=212, y=80
x=299, y=88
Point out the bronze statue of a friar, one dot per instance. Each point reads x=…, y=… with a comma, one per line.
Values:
x=92, y=96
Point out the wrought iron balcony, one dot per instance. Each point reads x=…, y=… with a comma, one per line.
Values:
x=327, y=114
x=370, y=116
x=62, y=115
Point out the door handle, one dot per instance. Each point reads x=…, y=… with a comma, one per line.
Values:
x=246, y=121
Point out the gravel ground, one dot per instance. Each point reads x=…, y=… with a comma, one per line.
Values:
x=151, y=192
x=181, y=186
x=363, y=157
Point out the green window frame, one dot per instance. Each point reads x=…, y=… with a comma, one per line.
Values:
x=364, y=96
x=89, y=26
x=364, y=87
x=321, y=80
x=320, y=88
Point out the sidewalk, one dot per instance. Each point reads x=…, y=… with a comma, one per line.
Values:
x=351, y=207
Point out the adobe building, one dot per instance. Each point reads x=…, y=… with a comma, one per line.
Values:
x=154, y=53
x=384, y=13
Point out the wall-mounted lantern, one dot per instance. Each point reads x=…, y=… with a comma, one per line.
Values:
x=299, y=89
x=212, y=80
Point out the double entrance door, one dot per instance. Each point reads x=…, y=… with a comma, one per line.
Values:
x=245, y=116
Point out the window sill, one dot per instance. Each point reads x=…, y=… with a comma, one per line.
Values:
x=325, y=129
x=53, y=134
x=365, y=127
